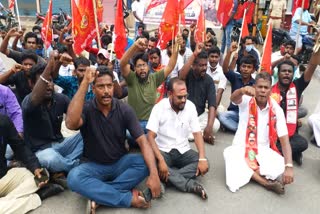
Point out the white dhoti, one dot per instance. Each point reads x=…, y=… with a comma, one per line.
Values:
x=314, y=122
x=203, y=120
x=238, y=173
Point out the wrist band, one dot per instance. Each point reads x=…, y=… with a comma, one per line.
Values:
x=203, y=159
x=44, y=80
x=289, y=165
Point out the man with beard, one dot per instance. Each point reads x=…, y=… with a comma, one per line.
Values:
x=166, y=56
x=254, y=154
x=109, y=174
x=168, y=129
x=42, y=116
x=19, y=75
x=230, y=118
x=287, y=92
x=201, y=90
x=184, y=51
x=142, y=85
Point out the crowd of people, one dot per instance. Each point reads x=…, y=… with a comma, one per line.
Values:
x=132, y=119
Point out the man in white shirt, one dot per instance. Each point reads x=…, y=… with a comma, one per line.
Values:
x=165, y=57
x=185, y=51
x=254, y=154
x=168, y=128
x=138, y=7
x=215, y=71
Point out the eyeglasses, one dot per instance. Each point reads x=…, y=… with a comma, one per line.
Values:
x=183, y=97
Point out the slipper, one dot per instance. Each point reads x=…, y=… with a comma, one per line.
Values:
x=91, y=207
x=199, y=190
x=276, y=186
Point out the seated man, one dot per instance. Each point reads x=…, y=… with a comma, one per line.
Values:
x=230, y=118
x=42, y=116
x=314, y=122
x=254, y=154
x=201, y=90
x=108, y=174
x=287, y=92
x=18, y=75
x=168, y=130
x=17, y=185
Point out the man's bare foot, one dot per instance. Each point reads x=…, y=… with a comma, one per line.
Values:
x=91, y=207
x=138, y=200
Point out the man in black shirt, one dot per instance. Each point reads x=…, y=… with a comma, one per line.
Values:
x=42, y=116
x=17, y=185
x=287, y=92
x=109, y=174
x=201, y=89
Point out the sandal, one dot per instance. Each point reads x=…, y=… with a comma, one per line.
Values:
x=199, y=190
x=276, y=186
x=91, y=207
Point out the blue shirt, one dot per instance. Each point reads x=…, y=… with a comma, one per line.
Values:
x=236, y=82
x=305, y=18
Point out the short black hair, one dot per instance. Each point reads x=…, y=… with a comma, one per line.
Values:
x=290, y=42
x=30, y=35
x=153, y=39
x=106, y=39
x=249, y=59
x=103, y=70
x=36, y=70
x=175, y=80
x=214, y=49
x=246, y=38
x=286, y=62
x=209, y=30
x=186, y=29
x=141, y=55
x=29, y=54
x=145, y=34
x=81, y=61
x=36, y=27
x=202, y=55
x=155, y=51
x=265, y=76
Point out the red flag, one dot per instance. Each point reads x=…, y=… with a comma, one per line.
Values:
x=83, y=24
x=168, y=28
x=267, y=51
x=298, y=3
x=99, y=6
x=120, y=42
x=154, y=3
x=244, y=29
x=200, y=29
x=11, y=4
x=46, y=30
x=186, y=3
x=224, y=11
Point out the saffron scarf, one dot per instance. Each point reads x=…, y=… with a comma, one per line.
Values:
x=252, y=133
x=161, y=90
x=291, y=104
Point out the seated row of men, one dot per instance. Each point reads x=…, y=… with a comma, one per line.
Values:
x=97, y=161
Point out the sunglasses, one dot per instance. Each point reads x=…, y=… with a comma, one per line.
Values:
x=183, y=97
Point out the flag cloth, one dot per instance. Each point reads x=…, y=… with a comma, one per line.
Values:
x=11, y=4
x=186, y=3
x=200, y=28
x=267, y=51
x=46, y=30
x=83, y=24
x=120, y=42
x=155, y=3
x=298, y=3
x=244, y=29
x=99, y=6
x=224, y=11
x=168, y=28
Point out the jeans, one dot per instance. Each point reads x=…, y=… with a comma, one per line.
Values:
x=109, y=184
x=182, y=168
x=131, y=141
x=226, y=37
x=62, y=156
x=136, y=28
x=229, y=120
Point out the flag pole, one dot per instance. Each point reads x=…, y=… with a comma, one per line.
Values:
x=179, y=23
x=96, y=22
x=204, y=20
x=239, y=40
x=18, y=14
x=299, y=26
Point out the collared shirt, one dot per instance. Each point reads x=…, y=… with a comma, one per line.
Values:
x=9, y=135
x=42, y=124
x=263, y=123
x=104, y=136
x=277, y=7
x=142, y=96
x=70, y=85
x=305, y=18
x=253, y=53
x=172, y=129
x=236, y=82
x=200, y=91
x=219, y=79
x=165, y=61
x=9, y=106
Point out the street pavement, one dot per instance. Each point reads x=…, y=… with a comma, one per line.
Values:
x=303, y=196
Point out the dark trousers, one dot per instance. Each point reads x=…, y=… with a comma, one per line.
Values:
x=182, y=168
x=298, y=144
